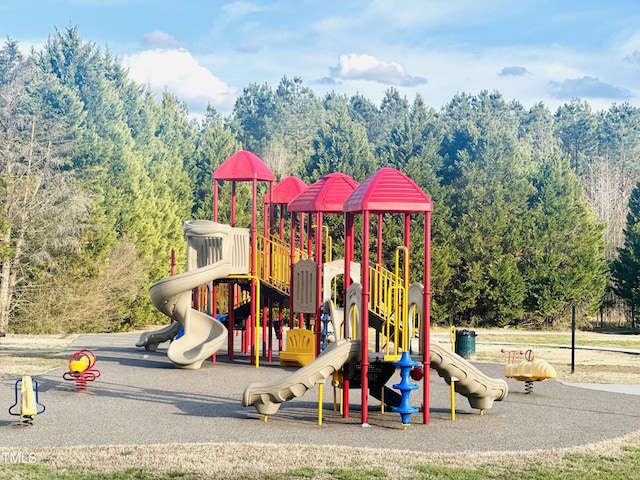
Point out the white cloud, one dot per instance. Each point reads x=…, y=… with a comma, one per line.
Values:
x=588, y=87
x=367, y=67
x=160, y=39
x=181, y=74
x=513, y=71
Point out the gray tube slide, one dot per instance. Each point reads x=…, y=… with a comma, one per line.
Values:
x=151, y=340
x=203, y=334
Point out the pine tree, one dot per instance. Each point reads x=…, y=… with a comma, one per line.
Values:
x=43, y=213
x=131, y=158
x=365, y=112
x=563, y=257
x=490, y=193
x=413, y=148
x=576, y=127
x=253, y=116
x=295, y=126
x=340, y=145
x=625, y=270
x=215, y=144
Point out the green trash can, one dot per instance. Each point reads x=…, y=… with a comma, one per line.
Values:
x=465, y=343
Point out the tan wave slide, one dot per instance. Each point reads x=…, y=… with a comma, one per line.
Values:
x=480, y=390
x=203, y=334
x=267, y=397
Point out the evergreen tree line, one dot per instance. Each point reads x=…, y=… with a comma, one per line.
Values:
x=97, y=176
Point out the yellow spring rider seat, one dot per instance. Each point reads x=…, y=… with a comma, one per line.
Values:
x=529, y=370
x=27, y=399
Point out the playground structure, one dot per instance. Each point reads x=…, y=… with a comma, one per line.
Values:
x=27, y=404
x=529, y=370
x=81, y=369
x=255, y=272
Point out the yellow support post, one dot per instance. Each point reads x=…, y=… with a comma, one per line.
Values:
x=452, y=337
x=256, y=316
x=403, y=313
x=320, y=390
x=453, y=398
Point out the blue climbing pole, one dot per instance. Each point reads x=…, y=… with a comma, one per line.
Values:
x=405, y=386
x=325, y=333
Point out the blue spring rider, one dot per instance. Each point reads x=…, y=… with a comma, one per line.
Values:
x=27, y=400
x=405, y=386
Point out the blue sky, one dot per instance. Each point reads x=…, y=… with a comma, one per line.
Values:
x=207, y=51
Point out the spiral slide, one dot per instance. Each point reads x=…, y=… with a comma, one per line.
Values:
x=203, y=334
x=267, y=397
x=151, y=340
x=480, y=390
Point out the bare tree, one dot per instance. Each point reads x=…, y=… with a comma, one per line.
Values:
x=607, y=188
x=279, y=159
x=41, y=210
x=86, y=303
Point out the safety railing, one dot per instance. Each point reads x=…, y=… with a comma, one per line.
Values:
x=388, y=299
x=274, y=261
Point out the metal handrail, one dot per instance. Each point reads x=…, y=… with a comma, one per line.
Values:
x=388, y=299
x=274, y=261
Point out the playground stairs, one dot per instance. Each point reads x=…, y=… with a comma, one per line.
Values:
x=378, y=322
x=268, y=290
x=274, y=293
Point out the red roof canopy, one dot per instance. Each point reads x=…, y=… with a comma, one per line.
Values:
x=285, y=191
x=243, y=166
x=327, y=195
x=388, y=191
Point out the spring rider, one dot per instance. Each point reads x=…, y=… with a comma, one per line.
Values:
x=27, y=398
x=81, y=369
x=529, y=370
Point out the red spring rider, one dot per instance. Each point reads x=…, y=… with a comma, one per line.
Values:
x=81, y=369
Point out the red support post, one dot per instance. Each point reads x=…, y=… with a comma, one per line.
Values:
x=364, y=337
x=318, y=316
x=426, y=321
x=292, y=258
x=254, y=268
x=348, y=258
